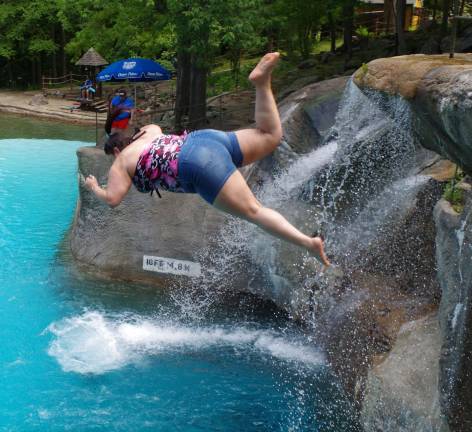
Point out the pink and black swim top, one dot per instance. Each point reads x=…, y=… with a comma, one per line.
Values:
x=157, y=166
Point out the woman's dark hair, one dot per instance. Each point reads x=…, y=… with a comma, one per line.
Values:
x=118, y=140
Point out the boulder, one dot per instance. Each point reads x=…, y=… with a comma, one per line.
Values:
x=454, y=255
x=439, y=90
x=37, y=100
x=114, y=241
x=401, y=392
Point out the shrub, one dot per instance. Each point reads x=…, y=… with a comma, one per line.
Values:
x=454, y=194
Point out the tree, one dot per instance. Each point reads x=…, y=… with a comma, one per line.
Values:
x=300, y=22
x=333, y=12
x=202, y=28
x=348, y=25
x=445, y=16
x=400, y=8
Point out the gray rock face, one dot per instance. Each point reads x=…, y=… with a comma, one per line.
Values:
x=114, y=241
x=402, y=391
x=443, y=108
x=439, y=90
x=454, y=257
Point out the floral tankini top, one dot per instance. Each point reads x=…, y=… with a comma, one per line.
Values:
x=157, y=166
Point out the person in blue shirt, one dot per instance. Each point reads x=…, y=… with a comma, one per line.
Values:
x=87, y=89
x=121, y=111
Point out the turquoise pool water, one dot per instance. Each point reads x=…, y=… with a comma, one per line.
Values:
x=82, y=354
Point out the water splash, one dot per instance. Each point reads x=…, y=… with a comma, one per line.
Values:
x=94, y=343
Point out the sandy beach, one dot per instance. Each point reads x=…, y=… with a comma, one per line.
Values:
x=17, y=102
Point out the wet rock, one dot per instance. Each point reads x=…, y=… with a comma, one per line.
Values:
x=401, y=392
x=454, y=255
x=306, y=115
x=439, y=90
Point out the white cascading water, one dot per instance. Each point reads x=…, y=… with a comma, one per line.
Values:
x=350, y=189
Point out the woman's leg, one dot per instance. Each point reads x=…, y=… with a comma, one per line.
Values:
x=237, y=199
x=257, y=143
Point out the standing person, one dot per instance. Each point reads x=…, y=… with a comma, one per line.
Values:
x=206, y=162
x=120, y=112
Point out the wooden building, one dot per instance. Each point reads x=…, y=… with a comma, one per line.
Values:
x=379, y=15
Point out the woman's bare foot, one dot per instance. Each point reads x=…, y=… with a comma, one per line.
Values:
x=317, y=247
x=261, y=73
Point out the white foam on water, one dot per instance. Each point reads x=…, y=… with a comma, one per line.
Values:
x=93, y=343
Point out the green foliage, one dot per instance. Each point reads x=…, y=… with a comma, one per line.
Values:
x=120, y=29
x=38, y=36
x=363, y=32
x=227, y=80
x=207, y=28
x=299, y=22
x=453, y=193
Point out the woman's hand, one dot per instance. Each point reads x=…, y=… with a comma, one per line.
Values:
x=91, y=183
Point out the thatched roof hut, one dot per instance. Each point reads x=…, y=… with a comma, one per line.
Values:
x=91, y=58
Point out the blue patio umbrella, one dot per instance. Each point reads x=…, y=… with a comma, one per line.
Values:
x=135, y=70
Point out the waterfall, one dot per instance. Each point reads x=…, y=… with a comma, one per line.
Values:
x=354, y=188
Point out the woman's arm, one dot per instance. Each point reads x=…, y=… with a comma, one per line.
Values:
x=119, y=183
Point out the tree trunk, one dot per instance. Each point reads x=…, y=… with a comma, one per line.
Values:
x=39, y=70
x=63, y=51
x=33, y=71
x=445, y=17
x=197, y=111
x=10, y=74
x=348, y=18
x=182, y=97
x=54, y=64
x=400, y=26
x=389, y=14
x=54, y=53
x=332, y=31
x=435, y=10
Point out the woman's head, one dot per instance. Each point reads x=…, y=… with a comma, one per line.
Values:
x=116, y=141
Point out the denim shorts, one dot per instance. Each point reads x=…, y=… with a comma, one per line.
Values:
x=206, y=160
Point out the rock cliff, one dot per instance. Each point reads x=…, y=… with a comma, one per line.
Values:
x=439, y=92
x=114, y=241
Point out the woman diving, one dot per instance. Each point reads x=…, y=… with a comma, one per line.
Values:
x=206, y=162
